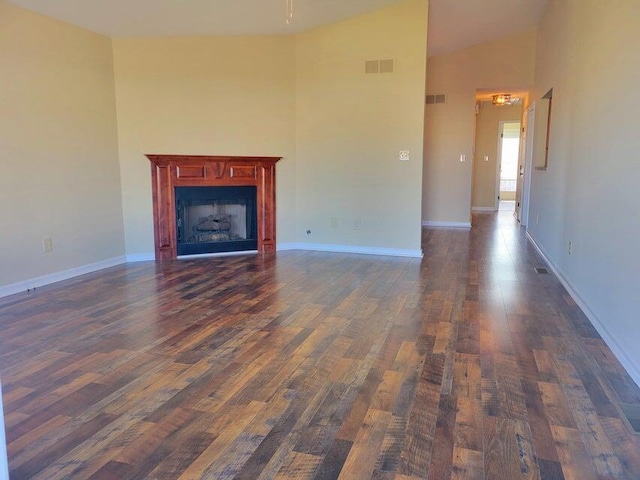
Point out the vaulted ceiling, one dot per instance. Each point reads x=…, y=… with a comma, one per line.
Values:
x=453, y=24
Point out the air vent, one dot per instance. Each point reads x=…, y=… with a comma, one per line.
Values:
x=379, y=66
x=386, y=66
x=542, y=271
x=372, y=66
x=632, y=417
x=436, y=99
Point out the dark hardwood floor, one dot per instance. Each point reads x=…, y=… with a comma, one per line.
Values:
x=300, y=365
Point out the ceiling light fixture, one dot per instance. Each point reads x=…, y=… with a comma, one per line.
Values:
x=501, y=99
x=289, y=17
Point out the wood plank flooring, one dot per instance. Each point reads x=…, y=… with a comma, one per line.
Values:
x=305, y=365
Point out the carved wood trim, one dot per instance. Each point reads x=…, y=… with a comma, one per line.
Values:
x=169, y=171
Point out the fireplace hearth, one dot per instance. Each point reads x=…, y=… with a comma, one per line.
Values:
x=210, y=204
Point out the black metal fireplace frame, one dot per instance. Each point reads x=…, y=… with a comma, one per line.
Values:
x=213, y=193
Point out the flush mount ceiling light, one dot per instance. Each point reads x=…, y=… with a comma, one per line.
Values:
x=502, y=99
x=289, y=11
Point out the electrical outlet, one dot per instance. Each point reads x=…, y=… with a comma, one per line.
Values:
x=357, y=224
x=570, y=248
x=47, y=244
x=334, y=222
x=463, y=157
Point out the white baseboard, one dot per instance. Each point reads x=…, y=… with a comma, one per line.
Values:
x=428, y=223
x=484, y=209
x=141, y=257
x=283, y=247
x=629, y=365
x=59, y=276
x=325, y=247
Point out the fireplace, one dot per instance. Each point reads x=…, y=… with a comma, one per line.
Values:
x=215, y=219
x=209, y=204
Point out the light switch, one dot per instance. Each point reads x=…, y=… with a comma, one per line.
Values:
x=463, y=157
x=404, y=156
x=486, y=158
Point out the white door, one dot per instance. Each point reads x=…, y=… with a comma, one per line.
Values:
x=527, y=168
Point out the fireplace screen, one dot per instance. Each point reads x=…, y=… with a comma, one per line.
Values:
x=215, y=219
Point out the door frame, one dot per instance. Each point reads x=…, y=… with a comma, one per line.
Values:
x=496, y=196
x=528, y=165
x=501, y=125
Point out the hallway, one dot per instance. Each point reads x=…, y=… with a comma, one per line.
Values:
x=465, y=365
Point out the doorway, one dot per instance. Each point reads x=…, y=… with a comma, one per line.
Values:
x=507, y=165
x=491, y=120
x=525, y=169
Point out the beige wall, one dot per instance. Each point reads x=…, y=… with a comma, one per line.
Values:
x=588, y=194
x=207, y=96
x=218, y=95
x=305, y=98
x=351, y=126
x=486, y=144
x=449, y=128
x=58, y=148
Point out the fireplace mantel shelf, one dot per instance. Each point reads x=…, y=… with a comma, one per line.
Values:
x=170, y=171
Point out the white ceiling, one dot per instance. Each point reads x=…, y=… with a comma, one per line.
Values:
x=453, y=24
x=199, y=17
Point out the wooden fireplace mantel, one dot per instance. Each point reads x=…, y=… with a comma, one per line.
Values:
x=170, y=171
